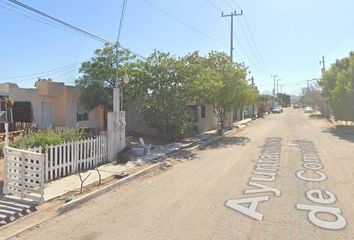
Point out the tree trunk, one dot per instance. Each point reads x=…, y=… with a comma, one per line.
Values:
x=105, y=118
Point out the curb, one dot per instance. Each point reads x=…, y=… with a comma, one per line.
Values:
x=71, y=205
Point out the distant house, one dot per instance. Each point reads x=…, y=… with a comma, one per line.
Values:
x=204, y=116
x=51, y=104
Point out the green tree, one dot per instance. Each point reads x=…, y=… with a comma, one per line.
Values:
x=215, y=81
x=166, y=86
x=338, y=87
x=233, y=91
x=98, y=76
x=312, y=97
x=165, y=95
x=284, y=99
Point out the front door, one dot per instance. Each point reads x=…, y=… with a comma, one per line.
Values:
x=46, y=116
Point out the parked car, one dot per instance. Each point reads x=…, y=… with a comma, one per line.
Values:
x=308, y=109
x=277, y=110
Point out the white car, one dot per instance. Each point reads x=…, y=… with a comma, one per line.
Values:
x=308, y=109
x=277, y=110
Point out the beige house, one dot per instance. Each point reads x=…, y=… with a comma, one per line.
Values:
x=51, y=104
x=205, y=118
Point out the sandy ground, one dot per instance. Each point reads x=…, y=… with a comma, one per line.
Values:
x=188, y=200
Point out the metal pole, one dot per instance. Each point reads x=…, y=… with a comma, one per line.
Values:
x=274, y=76
x=252, y=79
x=232, y=39
x=323, y=64
x=281, y=94
x=232, y=14
x=6, y=134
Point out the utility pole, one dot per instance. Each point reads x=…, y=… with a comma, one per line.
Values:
x=232, y=15
x=281, y=94
x=252, y=79
x=274, y=77
x=323, y=64
x=278, y=90
x=308, y=85
x=116, y=119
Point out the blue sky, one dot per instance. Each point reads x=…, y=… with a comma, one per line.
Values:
x=290, y=36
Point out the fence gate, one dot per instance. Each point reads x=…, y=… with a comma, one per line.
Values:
x=24, y=174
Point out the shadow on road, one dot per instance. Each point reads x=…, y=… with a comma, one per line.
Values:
x=342, y=132
x=183, y=155
x=228, y=142
x=317, y=116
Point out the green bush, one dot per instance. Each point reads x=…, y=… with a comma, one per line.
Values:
x=49, y=137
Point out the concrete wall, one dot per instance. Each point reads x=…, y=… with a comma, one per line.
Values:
x=53, y=104
x=209, y=122
x=135, y=121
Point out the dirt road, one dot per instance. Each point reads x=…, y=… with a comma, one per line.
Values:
x=241, y=188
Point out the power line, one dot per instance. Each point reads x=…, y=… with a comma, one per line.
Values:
x=54, y=19
x=232, y=15
x=125, y=2
x=251, y=48
x=341, y=37
x=236, y=4
x=228, y=4
x=34, y=17
x=262, y=70
x=185, y=24
x=52, y=71
x=214, y=5
x=258, y=57
x=246, y=54
x=53, y=75
x=254, y=43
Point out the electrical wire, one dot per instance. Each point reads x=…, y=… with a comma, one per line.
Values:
x=56, y=20
x=52, y=71
x=256, y=53
x=185, y=24
x=125, y=2
x=236, y=4
x=341, y=37
x=214, y=5
x=33, y=17
x=50, y=75
x=255, y=45
x=251, y=48
x=228, y=4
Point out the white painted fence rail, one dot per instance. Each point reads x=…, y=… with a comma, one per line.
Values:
x=70, y=157
x=24, y=174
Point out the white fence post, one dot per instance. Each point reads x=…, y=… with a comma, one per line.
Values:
x=67, y=158
x=6, y=162
x=24, y=175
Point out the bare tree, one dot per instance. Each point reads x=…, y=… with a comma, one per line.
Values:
x=82, y=180
x=99, y=175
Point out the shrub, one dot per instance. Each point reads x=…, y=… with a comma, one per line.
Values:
x=49, y=137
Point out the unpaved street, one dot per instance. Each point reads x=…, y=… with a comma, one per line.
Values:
x=199, y=198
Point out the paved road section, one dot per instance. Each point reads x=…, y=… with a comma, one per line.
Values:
x=285, y=177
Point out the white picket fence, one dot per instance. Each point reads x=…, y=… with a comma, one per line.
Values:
x=71, y=157
x=24, y=174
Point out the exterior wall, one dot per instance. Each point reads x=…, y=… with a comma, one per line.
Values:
x=209, y=122
x=135, y=122
x=53, y=104
x=96, y=119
